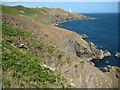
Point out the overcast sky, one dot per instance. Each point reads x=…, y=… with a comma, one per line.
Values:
x=77, y=7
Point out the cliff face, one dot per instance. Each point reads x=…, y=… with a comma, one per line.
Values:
x=62, y=50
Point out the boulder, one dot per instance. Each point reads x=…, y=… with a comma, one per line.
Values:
x=92, y=63
x=109, y=67
x=21, y=46
x=91, y=44
x=106, y=53
x=84, y=36
x=56, y=24
x=104, y=69
x=117, y=55
x=101, y=55
x=107, y=62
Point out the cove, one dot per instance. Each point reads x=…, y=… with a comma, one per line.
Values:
x=102, y=31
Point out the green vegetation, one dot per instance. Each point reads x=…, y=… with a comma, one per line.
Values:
x=10, y=10
x=17, y=10
x=22, y=68
x=40, y=46
x=25, y=68
x=13, y=32
x=50, y=48
x=37, y=14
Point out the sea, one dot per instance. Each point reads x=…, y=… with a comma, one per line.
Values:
x=102, y=31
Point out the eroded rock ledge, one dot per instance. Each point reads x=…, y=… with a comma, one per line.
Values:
x=74, y=47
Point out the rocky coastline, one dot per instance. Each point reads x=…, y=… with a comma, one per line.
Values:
x=69, y=18
x=91, y=53
x=88, y=54
x=60, y=50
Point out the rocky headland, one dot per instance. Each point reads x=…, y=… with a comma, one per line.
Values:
x=60, y=50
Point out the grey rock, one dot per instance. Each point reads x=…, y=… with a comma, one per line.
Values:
x=74, y=47
x=106, y=53
x=84, y=36
x=104, y=69
x=21, y=46
x=92, y=63
x=117, y=55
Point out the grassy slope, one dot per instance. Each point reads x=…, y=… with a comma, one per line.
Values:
x=36, y=21
x=41, y=15
x=22, y=68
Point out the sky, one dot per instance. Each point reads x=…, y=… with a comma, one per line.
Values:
x=76, y=7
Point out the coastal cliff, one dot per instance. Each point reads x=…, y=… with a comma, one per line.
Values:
x=61, y=51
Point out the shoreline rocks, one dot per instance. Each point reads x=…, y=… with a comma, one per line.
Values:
x=101, y=55
x=104, y=69
x=89, y=53
x=84, y=36
x=117, y=55
x=106, y=53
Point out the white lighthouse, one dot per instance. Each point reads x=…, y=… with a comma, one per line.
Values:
x=70, y=10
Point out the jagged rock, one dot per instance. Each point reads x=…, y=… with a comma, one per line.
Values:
x=56, y=24
x=70, y=46
x=107, y=61
x=114, y=70
x=84, y=36
x=21, y=46
x=92, y=63
x=91, y=44
x=104, y=69
x=101, y=55
x=109, y=67
x=106, y=53
x=74, y=47
x=117, y=55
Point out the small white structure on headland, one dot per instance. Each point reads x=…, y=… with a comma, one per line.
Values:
x=70, y=10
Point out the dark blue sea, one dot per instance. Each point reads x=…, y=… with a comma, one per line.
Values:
x=102, y=31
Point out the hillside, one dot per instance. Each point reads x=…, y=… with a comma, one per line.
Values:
x=38, y=54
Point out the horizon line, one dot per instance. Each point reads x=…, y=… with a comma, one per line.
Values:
x=54, y=8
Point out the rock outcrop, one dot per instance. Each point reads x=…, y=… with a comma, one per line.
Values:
x=106, y=53
x=84, y=36
x=104, y=69
x=88, y=54
x=59, y=15
x=117, y=55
